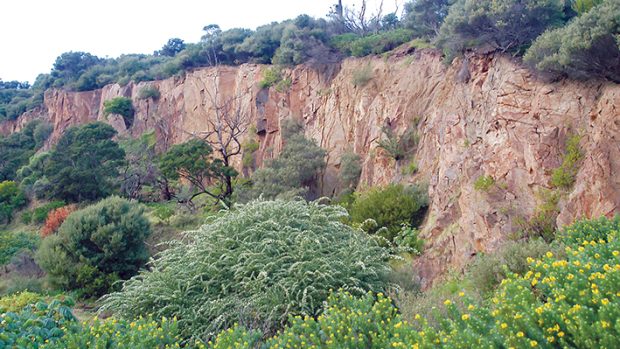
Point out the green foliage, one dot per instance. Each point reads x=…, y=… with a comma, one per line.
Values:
x=39, y=214
x=163, y=212
x=408, y=238
x=542, y=223
x=141, y=170
x=558, y=302
x=149, y=91
x=350, y=169
x=390, y=207
x=586, y=48
x=507, y=26
x=16, y=302
x=11, y=198
x=273, y=77
x=36, y=323
x=84, y=164
x=488, y=270
x=583, y=6
x=295, y=171
x=411, y=168
x=254, y=266
x=96, y=246
x=362, y=76
x=351, y=44
x=424, y=17
x=484, y=183
x=398, y=147
x=250, y=146
x=17, y=148
x=564, y=176
x=121, y=334
x=121, y=106
x=11, y=243
x=193, y=161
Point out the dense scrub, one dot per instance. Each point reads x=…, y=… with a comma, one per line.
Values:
x=96, y=246
x=255, y=266
x=557, y=302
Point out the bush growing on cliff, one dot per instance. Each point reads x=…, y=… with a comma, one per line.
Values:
x=564, y=176
x=149, y=92
x=350, y=169
x=255, y=266
x=295, y=171
x=586, y=48
x=390, y=207
x=96, y=246
x=506, y=26
x=121, y=106
x=17, y=148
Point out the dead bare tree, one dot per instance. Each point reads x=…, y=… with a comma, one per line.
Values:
x=358, y=20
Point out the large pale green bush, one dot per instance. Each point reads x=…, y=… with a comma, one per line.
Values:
x=96, y=246
x=255, y=266
x=558, y=302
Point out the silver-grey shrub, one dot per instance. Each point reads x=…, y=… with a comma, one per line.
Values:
x=255, y=266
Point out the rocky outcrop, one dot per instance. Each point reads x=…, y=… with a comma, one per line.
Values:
x=500, y=121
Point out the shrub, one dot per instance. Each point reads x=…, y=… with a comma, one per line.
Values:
x=163, y=212
x=39, y=214
x=585, y=48
x=378, y=43
x=488, y=270
x=255, y=266
x=558, y=302
x=564, y=176
x=542, y=223
x=249, y=148
x=121, y=334
x=96, y=246
x=11, y=198
x=411, y=168
x=12, y=243
x=350, y=169
x=391, y=207
x=484, y=183
x=55, y=218
x=271, y=76
x=507, y=26
x=149, y=92
x=16, y=302
x=121, y=106
x=408, y=238
x=398, y=147
x=36, y=324
x=362, y=76
x=295, y=171
x=424, y=17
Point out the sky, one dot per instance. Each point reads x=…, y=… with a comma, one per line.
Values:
x=35, y=32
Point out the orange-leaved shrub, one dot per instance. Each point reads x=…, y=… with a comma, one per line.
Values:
x=55, y=218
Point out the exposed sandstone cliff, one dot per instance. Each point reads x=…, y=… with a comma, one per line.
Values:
x=499, y=121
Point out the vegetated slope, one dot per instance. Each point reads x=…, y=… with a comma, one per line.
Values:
x=484, y=116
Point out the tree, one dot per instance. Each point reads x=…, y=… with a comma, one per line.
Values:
x=172, y=47
x=85, y=163
x=425, y=17
x=359, y=21
x=193, y=162
x=17, y=148
x=506, y=26
x=69, y=66
x=141, y=167
x=97, y=246
x=295, y=171
x=11, y=198
x=588, y=47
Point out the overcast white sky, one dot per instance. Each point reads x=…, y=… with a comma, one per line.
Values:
x=35, y=32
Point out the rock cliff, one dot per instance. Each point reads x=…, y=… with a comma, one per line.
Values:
x=485, y=116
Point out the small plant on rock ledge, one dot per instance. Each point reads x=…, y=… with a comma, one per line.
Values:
x=484, y=183
x=398, y=147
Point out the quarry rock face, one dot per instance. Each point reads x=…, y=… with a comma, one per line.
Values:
x=495, y=119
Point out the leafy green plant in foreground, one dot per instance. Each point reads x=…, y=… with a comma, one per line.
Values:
x=570, y=302
x=255, y=266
